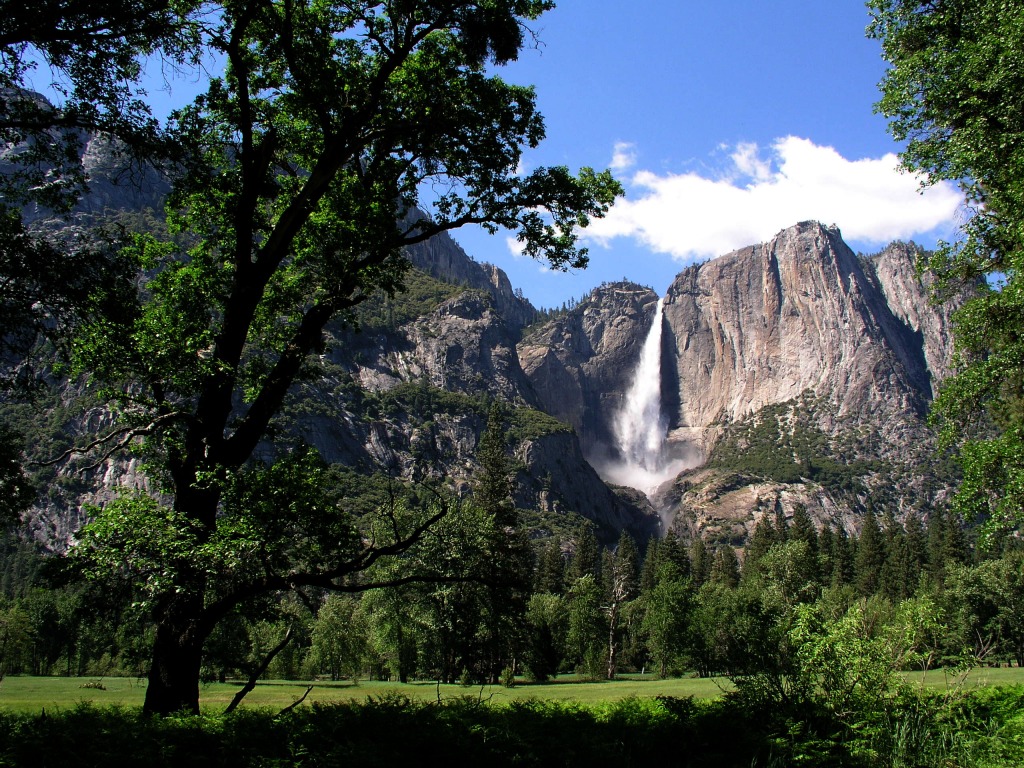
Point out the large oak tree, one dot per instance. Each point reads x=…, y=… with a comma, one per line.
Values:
x=299, y=175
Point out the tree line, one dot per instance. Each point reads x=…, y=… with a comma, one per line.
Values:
x=507, y=609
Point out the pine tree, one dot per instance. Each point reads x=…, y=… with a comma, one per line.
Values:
x=649, y=569
x=802, y=529
x=493, y=490
x=586, y=559
x=761, y=540
x=917, y=542
x=726, y=568
x=510, y=558
x=826, y=553
x=550, y=578
x=946, y=546
x=673, y=550
x=870, y=556
x=843, y=554
x=700, y=561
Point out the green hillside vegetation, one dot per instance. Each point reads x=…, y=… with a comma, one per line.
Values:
x=421, y=295
x=782, y=444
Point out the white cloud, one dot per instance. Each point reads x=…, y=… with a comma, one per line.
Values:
x=692, y=217
x=623, y=156
x=749, y=163
x=515, y=247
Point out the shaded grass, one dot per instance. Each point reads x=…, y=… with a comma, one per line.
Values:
x=388, y=731
x=983, y=728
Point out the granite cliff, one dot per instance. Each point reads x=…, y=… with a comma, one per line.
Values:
x=791, y=372
x=796, y=344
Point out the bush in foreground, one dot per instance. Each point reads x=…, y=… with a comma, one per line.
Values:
x=983, y=729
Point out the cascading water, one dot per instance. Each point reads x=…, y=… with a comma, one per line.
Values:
x=640, y=426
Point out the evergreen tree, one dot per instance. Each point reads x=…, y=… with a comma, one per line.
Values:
x=781, y=524
x=917, y=543
x=649, y=569
x=673, y=550
x=946, y=545
x=761, y=540
x=726, y=568
x=586, y=559
x=701, y=561
x=843, y=555
x=870, y=556
x=550, y=577
x=826, y=553
x=802, y=529
x=509, y=555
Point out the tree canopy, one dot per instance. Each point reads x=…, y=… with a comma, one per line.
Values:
x=299, y=177
x=954, y=94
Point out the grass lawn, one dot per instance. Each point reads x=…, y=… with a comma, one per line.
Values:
x=32, y=694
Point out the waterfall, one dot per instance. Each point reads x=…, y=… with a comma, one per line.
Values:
x=640, y=425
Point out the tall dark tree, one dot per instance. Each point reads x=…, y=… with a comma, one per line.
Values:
x=302, y=168
x=842, y=559
x=509, y=556
x=900, y=575
x=802, y=529
x=870, y=556
x=726, y=567
x=764, y=537
x=701, y=561
x=550, y=575
x=586, y=557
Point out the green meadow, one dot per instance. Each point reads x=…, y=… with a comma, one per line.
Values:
x=35, y=694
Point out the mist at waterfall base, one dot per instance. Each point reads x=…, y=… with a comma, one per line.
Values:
x=642, y=459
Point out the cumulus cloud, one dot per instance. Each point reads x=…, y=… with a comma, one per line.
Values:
x=623, y=156
x=757, y=193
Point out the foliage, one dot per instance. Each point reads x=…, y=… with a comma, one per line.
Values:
x=298, y=178
x=953, y=93
x=782, y=444
x=983, y=728
x=419, y=295
x=16, y=491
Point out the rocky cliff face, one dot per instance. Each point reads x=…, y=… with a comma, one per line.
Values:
x=796, y=345
x=798, y=370
x=443, y=258
x=580, y=365
x=799, y=313
x=407, y=399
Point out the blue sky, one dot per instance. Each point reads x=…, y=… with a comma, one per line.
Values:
x=726, y=122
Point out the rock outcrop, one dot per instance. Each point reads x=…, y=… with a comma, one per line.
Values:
x=798, y=340
x=799, y=313
x=443, y=258
x=580, y=365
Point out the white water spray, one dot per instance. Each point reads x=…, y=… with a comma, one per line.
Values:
x=640, y=427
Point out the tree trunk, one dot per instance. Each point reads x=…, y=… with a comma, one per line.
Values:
x=177, y=654
x=613, y=646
